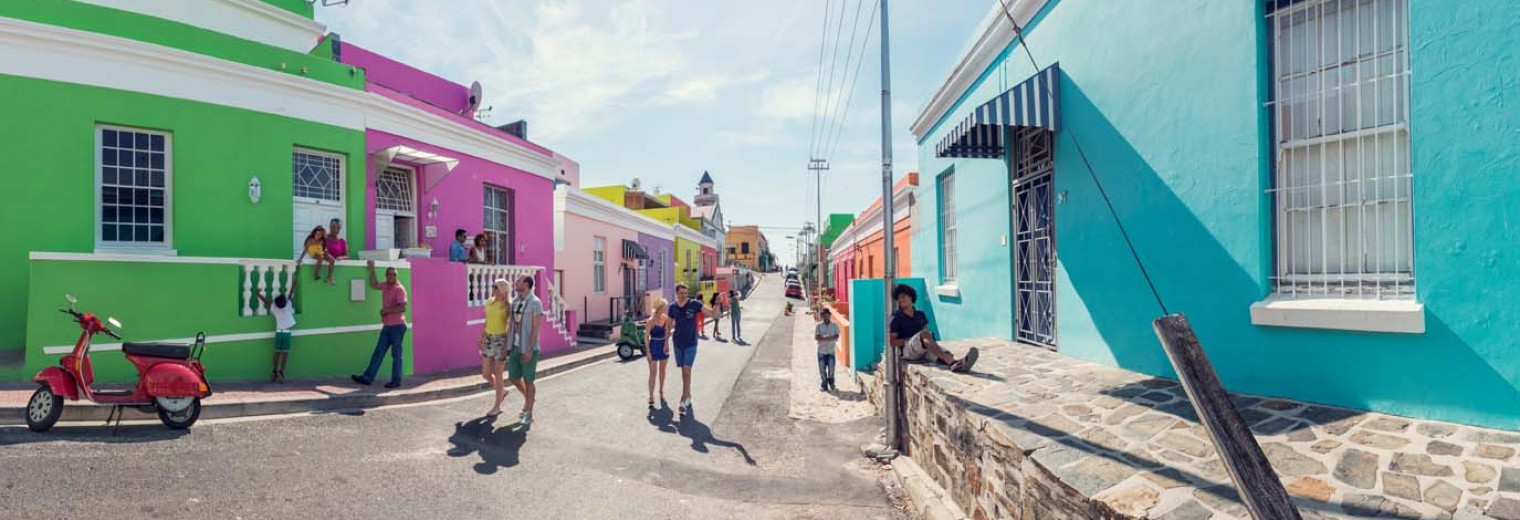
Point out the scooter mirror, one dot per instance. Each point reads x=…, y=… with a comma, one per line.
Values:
x=70, y=298
x=114, y=324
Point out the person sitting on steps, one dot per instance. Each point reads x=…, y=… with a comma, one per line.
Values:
x=909, y=331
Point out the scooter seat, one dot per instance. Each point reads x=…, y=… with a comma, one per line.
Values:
x=162, y=350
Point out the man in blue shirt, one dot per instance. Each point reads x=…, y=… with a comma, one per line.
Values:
x=685, y=312
x=456, y=249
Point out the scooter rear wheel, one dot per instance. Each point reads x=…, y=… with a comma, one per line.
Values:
x=43, y=409
x=181, y=419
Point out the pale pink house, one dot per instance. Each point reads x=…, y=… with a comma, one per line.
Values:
x=602, y=261
x=426, y=181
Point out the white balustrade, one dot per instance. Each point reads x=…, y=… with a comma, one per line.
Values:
x=280, y=276
x=480, y=277
x=556, y=311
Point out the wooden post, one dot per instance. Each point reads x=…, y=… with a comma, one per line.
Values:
x=1254, y=478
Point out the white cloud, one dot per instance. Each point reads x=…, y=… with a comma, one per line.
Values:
x=790, y=99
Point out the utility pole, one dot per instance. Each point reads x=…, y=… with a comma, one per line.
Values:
x=818, y=166
x=891, y=363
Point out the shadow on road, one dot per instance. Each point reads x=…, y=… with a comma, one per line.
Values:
x=701, y=435
x=497, y=447
x=661, y=418
x=134, y=433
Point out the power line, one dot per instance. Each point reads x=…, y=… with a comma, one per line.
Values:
x=831, y=99
x=871, y=25
x=818, y=84
x=1071, y=135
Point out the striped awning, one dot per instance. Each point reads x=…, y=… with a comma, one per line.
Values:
x=634, y=251
x=1036, y=103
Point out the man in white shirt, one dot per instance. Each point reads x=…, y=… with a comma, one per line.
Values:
x=826, y=333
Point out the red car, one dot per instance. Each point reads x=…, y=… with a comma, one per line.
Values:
x=794, y=290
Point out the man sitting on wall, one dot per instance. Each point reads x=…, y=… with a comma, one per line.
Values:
x=909, y=331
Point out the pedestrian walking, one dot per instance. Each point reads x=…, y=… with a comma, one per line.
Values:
x=826, y=333
x=522, y=363
x=493, y=342
x=656, y=348
x=685, y=313
x=716, y=303
x=735, y=308
x=283, y=309
x=909, y=331
x=392, y=330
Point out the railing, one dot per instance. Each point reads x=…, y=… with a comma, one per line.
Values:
x=480, y=277
x=556, y=310
x=266, y=277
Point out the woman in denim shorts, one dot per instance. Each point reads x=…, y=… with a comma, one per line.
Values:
x=493, y=342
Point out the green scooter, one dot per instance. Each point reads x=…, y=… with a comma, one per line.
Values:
x=630, y=341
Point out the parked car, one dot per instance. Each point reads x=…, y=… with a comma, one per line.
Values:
x=793, y=289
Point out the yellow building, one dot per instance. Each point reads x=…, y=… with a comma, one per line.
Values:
x=748, y=247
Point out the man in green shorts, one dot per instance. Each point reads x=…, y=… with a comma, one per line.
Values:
x=522, y=362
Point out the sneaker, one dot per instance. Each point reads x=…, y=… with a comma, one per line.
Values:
x=526, y=418
x=361, y=380
x=965, y=364
x=393, y=384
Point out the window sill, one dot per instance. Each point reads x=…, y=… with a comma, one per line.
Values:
x=948, y=290
x=136, y=251
x=1405, y=317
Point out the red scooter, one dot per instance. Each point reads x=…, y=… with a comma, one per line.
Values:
x=170, y=379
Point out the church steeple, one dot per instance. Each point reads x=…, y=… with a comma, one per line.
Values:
x=705, y=194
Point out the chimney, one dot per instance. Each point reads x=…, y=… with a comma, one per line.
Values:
x=518, y=128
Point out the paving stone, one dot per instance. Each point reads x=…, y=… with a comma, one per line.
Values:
x=1302, y=434
x=1076, y=410
x=1493, y=437
x=1402, y=486
x=1124, y=413
x=1335, y=421
x=1490, y=451
x=1056, y=456
x=1387, y=424
x=1443, y=495
x=1378, y=440
x=1435, y=431
x=1157, y=397
x=1480, y=491
x=1185, y=444
x=1093, y=474
x=1311, y=488
x=1126, y=391
x=1443, y=448
x=1403, y=511
x=1504, y=509
x=1174, y=457
x=1477, y=473
x=1289, y=462
x=1157, y=383
x=1166, y=478
x=1280, y=405
x=1325, y=446
x=1367, y=505
x=1130, y=499
x=1242, y=402
x=1147, y=426
x=1190, y=510
x=1275, y=426
x=1104, y=401
x=1357, y=468
x=1182, y=409
x=1253, y=416
x=1419, y=464
x=1509, y=479
x=1221, y=498
x=1213, y=469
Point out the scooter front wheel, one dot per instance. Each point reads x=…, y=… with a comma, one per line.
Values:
x=178, y=416
x=43, y=409
x=625, y=351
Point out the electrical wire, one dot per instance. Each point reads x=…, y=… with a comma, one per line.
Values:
x=832, y=101
x=870, y=26
x=1018, y=32
x=823, y=39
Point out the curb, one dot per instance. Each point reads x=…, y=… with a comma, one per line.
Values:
x=215, y=409
x=927, y=498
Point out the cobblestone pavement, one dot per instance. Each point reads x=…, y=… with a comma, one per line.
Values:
x=846, y=404
x=1134, y=444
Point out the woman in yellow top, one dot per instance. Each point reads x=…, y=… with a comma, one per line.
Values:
x=493, y=341
x=316, y=248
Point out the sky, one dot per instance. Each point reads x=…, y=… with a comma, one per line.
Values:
x=662, y=90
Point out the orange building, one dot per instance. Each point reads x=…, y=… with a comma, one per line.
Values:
x=859, y=252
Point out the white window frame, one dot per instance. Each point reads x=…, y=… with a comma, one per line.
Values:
x=599, y=265
x=497, y=235
x=148, y=248
x=342, y=201
x=949, y=256
x=1323, y=273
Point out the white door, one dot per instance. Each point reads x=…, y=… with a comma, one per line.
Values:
x=395, y=209
x=317, y=191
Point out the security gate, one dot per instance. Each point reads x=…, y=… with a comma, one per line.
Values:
x=1034, y=236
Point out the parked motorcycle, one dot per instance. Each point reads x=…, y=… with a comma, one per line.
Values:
x=170, y=378
x=630, y=341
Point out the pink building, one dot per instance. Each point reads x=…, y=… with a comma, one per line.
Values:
x=601, y=259
x=424, y=182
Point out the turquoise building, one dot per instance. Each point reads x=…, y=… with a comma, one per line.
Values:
x=1324, y=187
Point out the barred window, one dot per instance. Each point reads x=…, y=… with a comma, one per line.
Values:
x=947, y=258
x=317, y=176
x=393, y=190
x=1341, y=169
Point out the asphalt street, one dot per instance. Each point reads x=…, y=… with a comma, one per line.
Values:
x=593, y=452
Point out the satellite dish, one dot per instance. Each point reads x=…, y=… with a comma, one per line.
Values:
x=474, y=96
x=637, y=184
